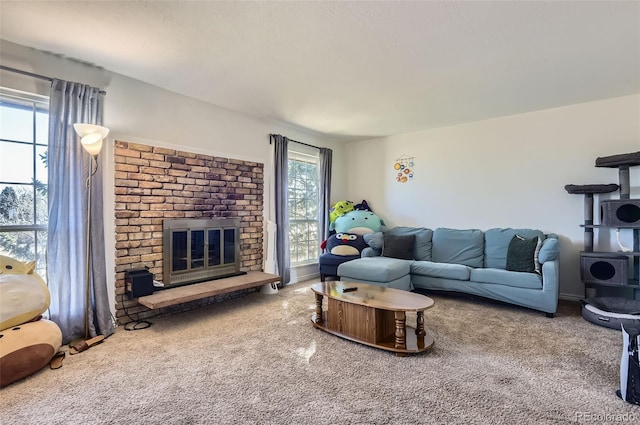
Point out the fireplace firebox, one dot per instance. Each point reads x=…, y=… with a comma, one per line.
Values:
x=197, y=250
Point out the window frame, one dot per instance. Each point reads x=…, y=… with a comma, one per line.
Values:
x=37, y=104
x=307, y=155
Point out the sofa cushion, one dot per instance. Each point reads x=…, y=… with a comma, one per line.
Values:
x=522, y=254
x=458, y=247
x=396, y=246
x=496, y=243
x=444, y=270
x=549, y=250
x=328, y=263
x=422, y=244
x=507, y=278
x=377, y=269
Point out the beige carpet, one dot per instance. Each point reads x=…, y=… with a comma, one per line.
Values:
x=258, y=359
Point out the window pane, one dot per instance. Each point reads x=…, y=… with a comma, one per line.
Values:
x=42, y=127
x=16, y=162
x=42, y=209
x=303, y=211
x=18, y=245
x=41, y=251
x=16, y=204
x=16, y=121
x=23, y=176
x=42, y=158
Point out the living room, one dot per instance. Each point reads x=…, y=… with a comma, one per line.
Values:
x=503, y=170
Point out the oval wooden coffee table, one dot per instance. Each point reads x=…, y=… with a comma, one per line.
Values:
x=373, y=315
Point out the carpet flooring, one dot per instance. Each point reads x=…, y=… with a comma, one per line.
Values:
x=258, y=359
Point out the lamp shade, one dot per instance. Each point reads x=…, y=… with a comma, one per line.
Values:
x=91, y=136
x=92, y=143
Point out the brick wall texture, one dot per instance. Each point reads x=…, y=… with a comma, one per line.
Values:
x=152, y=184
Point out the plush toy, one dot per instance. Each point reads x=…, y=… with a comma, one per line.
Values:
x=345, y=244
x=23, y=294
x=27, y=342
x=362, y=206
x=339, y=209
x=27, y=348
x=358, y=222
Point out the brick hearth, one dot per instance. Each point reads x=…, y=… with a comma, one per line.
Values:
x=153, y=183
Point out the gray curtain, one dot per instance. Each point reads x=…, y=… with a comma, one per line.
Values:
x=281, y=179
x=325, y=191
x=68, y=168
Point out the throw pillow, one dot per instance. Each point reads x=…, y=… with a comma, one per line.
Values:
x=400, y=247
x=536, y=255
x=374, y=240
x=521, y=254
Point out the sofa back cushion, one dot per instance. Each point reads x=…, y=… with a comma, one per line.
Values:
x=422, y=240
x=496, y=244
x=458, y=247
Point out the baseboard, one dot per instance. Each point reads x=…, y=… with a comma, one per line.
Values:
x=570, y=297
x=303, y=278
x=303, y=273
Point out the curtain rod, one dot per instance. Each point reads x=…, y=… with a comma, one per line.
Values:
x=31, y=74
x=294, y=141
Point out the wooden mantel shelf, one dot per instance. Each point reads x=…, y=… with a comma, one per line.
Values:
x=196, y=291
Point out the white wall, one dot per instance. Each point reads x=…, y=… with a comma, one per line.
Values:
x=504, y=172
x=139, y=112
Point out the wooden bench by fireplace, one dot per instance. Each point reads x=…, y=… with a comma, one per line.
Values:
x=196, y=291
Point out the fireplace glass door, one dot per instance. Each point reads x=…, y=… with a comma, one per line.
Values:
x=179, y=257
x=197, y=249
x=201, y=249
x=214, y=247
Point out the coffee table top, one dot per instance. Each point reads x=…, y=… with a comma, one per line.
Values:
x=374, y=296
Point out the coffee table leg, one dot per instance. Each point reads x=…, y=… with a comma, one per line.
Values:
x=401, y=340
x=420, y=332
x=420, y=324
x=319, y=308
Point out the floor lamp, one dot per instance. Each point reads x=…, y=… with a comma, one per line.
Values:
x=91, y=137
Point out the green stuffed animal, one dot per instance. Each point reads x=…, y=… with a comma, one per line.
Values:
x=339, y=209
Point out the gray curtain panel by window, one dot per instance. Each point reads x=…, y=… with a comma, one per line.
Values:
x=325, y=191
x=281, y=171
x=68, y=168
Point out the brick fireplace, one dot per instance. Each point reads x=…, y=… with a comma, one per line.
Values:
x=152, y=184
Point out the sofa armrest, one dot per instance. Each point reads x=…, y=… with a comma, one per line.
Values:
x=370, y=252
x=548, y=302
x=549, y=250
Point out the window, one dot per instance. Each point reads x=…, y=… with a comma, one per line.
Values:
x=304, y=226
x=24, y=132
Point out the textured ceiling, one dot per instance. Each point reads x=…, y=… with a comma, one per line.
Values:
x=352, y=69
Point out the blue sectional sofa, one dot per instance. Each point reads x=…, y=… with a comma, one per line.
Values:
x=469, y=261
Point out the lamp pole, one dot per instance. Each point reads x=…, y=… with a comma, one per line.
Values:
x=88, y=262
x=91, y=137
